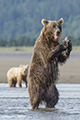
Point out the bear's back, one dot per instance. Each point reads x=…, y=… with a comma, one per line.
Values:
x=12, y=72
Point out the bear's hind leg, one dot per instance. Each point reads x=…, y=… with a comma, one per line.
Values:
x=19, y=83
x=14, y=83
x=51, y=97
x=10, y=81
x=35, y=102
x=34, y=95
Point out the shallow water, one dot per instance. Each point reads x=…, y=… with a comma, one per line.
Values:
x=15, y=105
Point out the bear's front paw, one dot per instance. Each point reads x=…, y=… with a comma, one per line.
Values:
x=69, y=46
x=63, y=47
x=66, y=41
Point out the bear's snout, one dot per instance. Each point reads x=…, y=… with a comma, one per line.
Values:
x=58, y=33
x=24, y=71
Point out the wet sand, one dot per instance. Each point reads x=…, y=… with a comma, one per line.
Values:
x=69, y=72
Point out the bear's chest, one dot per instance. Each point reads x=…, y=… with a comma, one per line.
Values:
x=53, y=70
x=54, y=65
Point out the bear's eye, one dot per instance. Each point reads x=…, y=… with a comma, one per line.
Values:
x=54, y=26
x=60, y=27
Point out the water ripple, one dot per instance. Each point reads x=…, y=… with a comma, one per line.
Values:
x=15, y=104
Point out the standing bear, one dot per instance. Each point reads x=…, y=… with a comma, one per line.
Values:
x=17, y=74
x=43, y=72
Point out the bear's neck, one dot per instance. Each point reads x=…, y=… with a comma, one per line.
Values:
x=48, y=39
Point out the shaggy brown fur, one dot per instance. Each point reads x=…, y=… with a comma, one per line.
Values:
x=43, y=70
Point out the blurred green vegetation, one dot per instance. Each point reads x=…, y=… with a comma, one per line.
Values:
x=21, y=41
x=27, y=41
x=20, y=20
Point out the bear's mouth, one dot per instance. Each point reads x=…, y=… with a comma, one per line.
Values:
x=56, y=36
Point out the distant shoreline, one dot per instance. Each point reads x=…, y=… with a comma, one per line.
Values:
x=69, y=72
x=26, y=55
x=26, y=48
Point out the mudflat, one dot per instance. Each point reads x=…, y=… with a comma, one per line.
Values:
x=69, y=72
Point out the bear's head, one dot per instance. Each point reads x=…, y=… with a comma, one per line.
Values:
x=52, y=28
x=24, y=69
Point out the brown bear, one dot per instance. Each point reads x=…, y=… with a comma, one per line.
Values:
x=16, y=74
x=43, y=72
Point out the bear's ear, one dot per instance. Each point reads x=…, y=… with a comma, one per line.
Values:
x=61, y=21
x=21, y=66
x=44, y=22
x=27, y=66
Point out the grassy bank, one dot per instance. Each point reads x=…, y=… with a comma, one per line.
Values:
x=24, y=48
x=76, y=47
x=15, y=48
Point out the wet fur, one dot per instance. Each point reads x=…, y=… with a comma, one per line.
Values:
x=43, y=72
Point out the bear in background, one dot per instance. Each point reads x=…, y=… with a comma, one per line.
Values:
x=43, y=71
x=17, y=74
